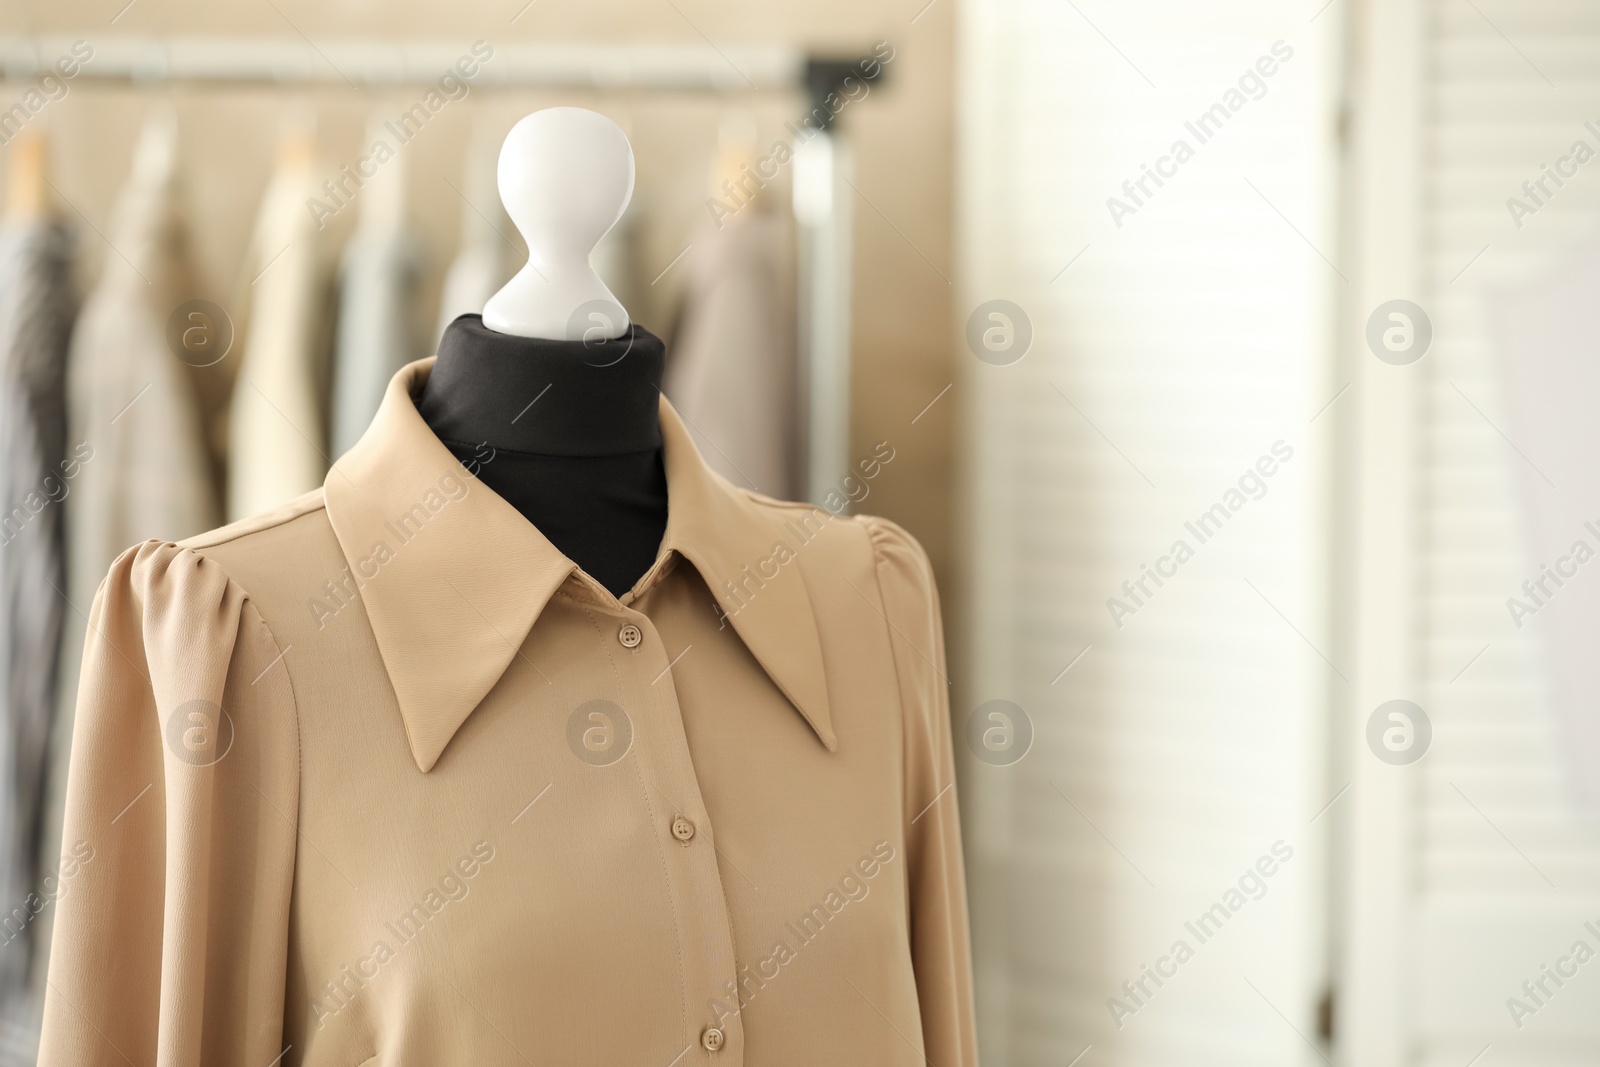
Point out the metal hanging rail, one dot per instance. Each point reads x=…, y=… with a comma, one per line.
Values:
x=823, y=219
x=380, y=64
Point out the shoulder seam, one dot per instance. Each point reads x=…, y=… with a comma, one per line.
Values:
x=874, y=529
x=880, y=529
x=762, y=500
x=307, y=504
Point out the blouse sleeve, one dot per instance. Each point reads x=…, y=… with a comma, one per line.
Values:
x=940, y=949
x=172, y=899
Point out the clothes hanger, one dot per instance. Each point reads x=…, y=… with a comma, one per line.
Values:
x=297, y=135
x=732, y=179
x=565, y=176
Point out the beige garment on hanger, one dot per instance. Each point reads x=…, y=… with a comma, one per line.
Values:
x=277, y=427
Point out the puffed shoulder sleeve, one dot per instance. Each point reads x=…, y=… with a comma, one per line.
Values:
x=172, y=898
x=940, y=948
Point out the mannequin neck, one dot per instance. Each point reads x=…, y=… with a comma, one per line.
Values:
x=542, y=397
x=565, y=432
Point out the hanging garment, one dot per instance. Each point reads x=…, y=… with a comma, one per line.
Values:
x=277, y=424
x=135, y=429
x=616, y=257
x=732, y=369
x=483, y=263
x=36, y=311
x=397, y=782
x=377, y=304
x=379, y=283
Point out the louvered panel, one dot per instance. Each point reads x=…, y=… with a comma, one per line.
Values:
x=1166, y=359
x=1486, y=907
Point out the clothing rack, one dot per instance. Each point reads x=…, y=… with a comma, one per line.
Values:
x=822, y=182
x=380, y=64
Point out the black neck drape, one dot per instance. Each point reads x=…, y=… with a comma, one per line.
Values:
x=567, y=432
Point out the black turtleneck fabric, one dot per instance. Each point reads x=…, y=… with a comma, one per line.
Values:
x=566, y=431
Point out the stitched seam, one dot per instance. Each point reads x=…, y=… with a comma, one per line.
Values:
x=203, y=544
x=583, y=600
x=299, y=760
x=875, y=533
x=661, y=854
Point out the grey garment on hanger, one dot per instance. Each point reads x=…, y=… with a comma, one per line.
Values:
x=731, y=371
x=377, y=333
x=36, y=311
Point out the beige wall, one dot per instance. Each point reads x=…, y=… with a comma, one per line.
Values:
x=901, y=133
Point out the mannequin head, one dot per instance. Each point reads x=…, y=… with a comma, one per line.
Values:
x=565, y=176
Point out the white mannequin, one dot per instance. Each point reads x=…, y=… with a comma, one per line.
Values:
x=566, y=175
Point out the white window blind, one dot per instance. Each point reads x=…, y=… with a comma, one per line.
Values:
x=1507, y=869
x=1170, y=355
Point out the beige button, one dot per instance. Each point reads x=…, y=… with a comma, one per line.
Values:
x=712, y=1039
x=630, y=636
x=682, y=828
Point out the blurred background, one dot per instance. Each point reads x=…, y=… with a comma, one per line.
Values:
x=1237, y=359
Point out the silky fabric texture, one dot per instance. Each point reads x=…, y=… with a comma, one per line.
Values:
x=142, y=467
x=566, y=432
x=37, y=304
x=381, y=778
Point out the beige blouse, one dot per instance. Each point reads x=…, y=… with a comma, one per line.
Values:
x=382, y=778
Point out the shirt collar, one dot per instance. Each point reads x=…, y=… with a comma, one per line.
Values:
x=453, y=577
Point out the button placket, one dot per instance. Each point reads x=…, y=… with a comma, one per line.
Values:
x=694, y=880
